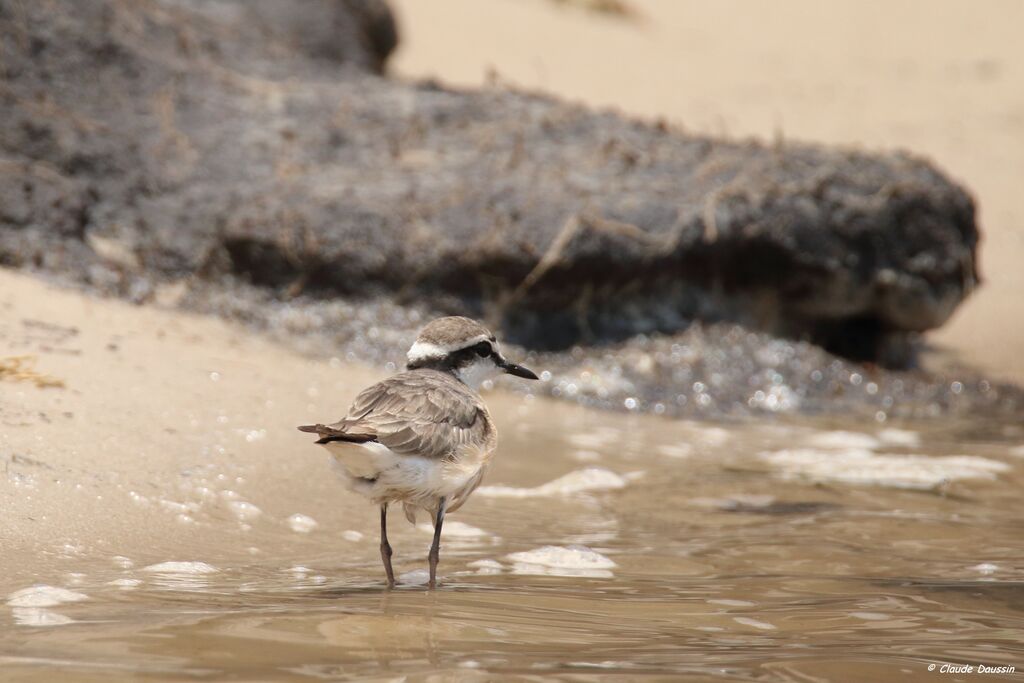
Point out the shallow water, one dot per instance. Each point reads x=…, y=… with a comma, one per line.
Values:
x=604, y=547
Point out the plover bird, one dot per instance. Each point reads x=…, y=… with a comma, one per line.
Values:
x=423, y=437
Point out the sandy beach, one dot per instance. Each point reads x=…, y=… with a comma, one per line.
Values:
x=943, y=80
x=156, y=414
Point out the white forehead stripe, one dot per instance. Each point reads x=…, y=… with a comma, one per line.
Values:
x=422, y=350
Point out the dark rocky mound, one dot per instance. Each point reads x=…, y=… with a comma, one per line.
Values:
x=161, y=144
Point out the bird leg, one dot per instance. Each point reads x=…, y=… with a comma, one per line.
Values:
x=385, y=547
x=435, y=547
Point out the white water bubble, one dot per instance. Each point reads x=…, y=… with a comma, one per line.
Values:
x=456, y=530
x=416, y=577
x=728, y=602
x=870, y=616
x=679, y=450
x=760, y=625
x=38, y=616
x=900, y=437
x=181, y=576
x=551, y=560
x=302, y=524
x=244, y=510
x=122, y=562
x=486, y=567
x=41, y=595
x=842, y=439
x=175, y=567
x=859, y=466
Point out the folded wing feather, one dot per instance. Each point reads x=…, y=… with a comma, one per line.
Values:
x=423, y=412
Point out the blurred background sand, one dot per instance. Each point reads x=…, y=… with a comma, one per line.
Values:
x=943, y=79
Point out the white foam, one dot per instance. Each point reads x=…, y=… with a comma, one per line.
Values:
x=244, y=511
x=302, y=524
x=42, y=595
x=606, y=664
x=487, y=566
x=181, y=568
x=180, y=508
x=842, y=440
x=747, y=621
x=553, y=560
x=859, y=466
x=986, y=568
x=181, y=576
x=870, y=616
x=589, y=479
x=900, y=437
x=417, y=577
x=37, y=616
x=456, y=530
x=125, y=584
x=352, y=535
x=679, y=450
x=712, y=436
x=123, y=562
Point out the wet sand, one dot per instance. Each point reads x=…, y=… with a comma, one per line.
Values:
x=943, y=81
x=164, y=520
x=159, y=412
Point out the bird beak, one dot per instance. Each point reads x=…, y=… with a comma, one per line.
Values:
x=517, y=370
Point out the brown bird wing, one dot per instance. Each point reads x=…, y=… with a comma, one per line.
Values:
x=422, y=412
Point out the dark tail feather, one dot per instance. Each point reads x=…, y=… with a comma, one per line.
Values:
x=341, y=436
x=328, y=434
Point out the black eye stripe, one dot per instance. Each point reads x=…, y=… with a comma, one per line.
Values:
x=483, y=349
